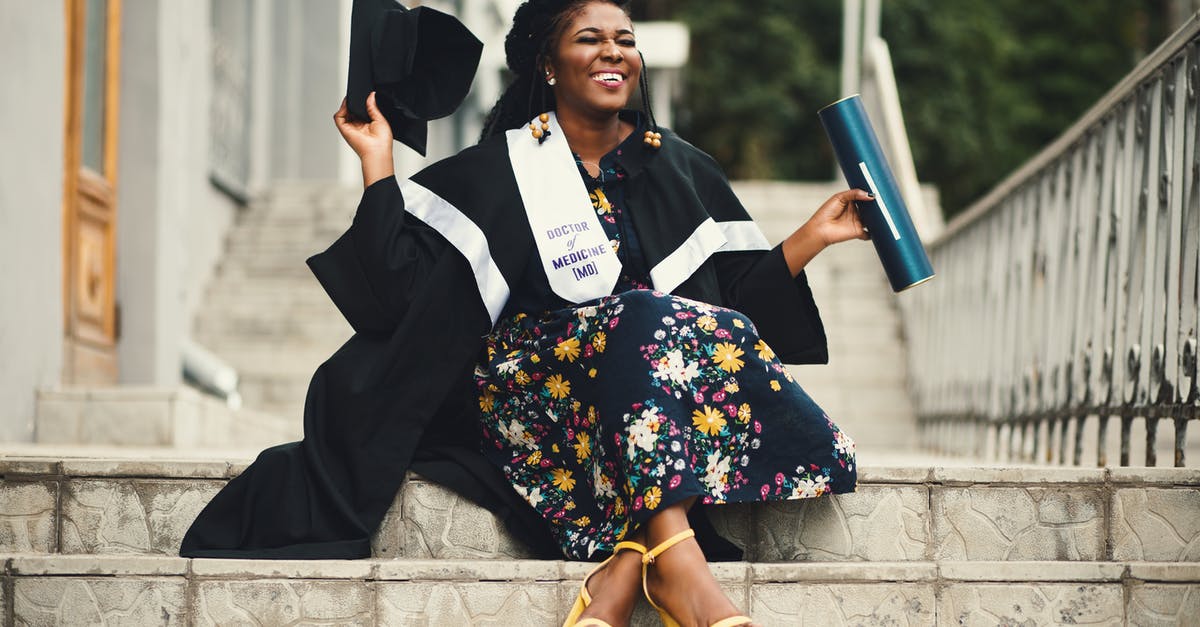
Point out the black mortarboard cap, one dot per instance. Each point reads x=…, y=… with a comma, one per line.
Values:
x=419, y=62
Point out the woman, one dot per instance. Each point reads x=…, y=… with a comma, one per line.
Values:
x=613, y=415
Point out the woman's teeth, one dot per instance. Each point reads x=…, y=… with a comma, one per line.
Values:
x=608, y=77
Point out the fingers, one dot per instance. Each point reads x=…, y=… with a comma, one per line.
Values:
x=850, y=212
x=372, y=109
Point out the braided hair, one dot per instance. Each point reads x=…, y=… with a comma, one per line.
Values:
x=535, y=29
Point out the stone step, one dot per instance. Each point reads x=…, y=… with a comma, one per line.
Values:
x=293, y=269
x=243, y=327
x=271, y=298
x=175, y=591
x=152, y=416
x=108, y=505
x=285, y=360
x=271, y=389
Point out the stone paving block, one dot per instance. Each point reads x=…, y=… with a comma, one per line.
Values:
x=389, y=539
x=450, y=603
x=1156, y=524
x=876, y=523
x=735, y=522
x=1018, y=523
x=843, y=572
x=644, y=615
x=892, y=474
x=97, y=565
x=282, y=569
x=13, y=466
x=94, y=601
x=1142, y=475
x=58, y=419
x=1165, y=572
x=436, y=523
x=1159, y=605
x=966, y=475
x=131, y=516
x=270, y=602
x=472, y=570
x=972, y=605
x=27, y=516
x=126, y=422
x=791, y=605
x=1032, y=571
x=148, y=468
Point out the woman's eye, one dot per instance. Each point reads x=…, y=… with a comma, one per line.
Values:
x=588, y=40
x=628, y=42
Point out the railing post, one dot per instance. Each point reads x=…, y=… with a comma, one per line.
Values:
x=1181, y=424
x=1080, y=421
x=1126, y=428
x=1102, y=442
x=1151, y=440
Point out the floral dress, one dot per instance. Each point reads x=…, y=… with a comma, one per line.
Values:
x=603, y=413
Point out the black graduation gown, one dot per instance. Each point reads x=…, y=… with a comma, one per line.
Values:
x=421, y=294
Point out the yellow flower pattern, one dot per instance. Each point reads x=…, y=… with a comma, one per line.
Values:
x=558, y=386
x=567, y=349
x=728, y=356
x=708, y=420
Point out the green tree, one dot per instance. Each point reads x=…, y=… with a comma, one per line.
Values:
x=984, y=83
x=754, y=81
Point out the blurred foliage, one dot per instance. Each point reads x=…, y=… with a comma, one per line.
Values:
x=984, y=84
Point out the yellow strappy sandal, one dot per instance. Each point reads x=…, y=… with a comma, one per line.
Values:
x=667, y=619
x=584, y=599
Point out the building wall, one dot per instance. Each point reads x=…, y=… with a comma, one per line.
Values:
x=32, y=60
x=171, y=220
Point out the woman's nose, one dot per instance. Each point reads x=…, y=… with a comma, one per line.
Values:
x=613, y=52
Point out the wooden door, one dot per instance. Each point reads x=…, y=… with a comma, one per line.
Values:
x=89, y=191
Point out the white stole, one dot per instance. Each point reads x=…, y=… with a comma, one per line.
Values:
x=575, y=251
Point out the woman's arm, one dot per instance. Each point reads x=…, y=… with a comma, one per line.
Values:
x=371, y=141
x=835, y=221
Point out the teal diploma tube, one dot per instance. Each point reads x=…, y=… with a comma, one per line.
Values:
x=865, y=167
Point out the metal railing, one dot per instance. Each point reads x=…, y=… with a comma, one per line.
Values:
x=1067, y=297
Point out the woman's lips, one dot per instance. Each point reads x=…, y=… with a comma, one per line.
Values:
x=611, y=80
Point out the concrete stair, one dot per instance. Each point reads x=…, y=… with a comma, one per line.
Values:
x=916, y=545
x=263, y=312
x=145, y=590
x=179, y=417
x=864, y=386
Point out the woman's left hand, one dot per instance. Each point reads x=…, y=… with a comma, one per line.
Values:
x=834, y=221
x=837, y=220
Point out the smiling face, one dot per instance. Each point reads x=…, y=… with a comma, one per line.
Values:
x=595, y=61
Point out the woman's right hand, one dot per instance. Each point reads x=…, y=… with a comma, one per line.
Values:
x=371, y=141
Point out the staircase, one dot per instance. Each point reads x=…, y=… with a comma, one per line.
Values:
x=91, y=536
x=93, y=540
x=264, y=312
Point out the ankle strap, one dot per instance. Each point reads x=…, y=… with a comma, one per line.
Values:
x=648, y=557
x=632, y=546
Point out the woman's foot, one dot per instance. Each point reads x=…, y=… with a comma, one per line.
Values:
x=615, y=589
x=680, y=582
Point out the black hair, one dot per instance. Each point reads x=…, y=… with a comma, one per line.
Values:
x=529, y=43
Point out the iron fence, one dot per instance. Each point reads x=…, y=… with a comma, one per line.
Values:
x=1067, y=298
